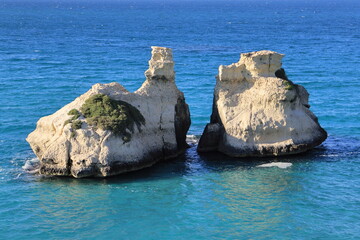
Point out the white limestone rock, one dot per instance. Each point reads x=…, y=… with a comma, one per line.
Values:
x=161, y=64
x=93, y=151
x=282, y=165
x=257, y=111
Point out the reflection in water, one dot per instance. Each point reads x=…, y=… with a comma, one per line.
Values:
x=207, y=198
x=195, y=197
x=241, y=199
x=255, y=200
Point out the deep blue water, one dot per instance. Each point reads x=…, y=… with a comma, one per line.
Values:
x=53, y=51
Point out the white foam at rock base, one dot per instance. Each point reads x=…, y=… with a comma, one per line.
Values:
x=32, y=166
x=192, y=139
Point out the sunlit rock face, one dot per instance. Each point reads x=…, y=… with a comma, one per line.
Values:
x=258, y=111
x=109, y=130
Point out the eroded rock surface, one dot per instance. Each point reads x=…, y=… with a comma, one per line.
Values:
x=258, y=111
x=109, y=130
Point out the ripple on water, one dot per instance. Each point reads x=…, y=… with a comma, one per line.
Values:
x=208, y=196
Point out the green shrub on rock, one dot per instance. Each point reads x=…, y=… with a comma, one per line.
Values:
x=280, y=73
x=76, y=124
x=117, y=116
x=288, y=85
x=75, y=113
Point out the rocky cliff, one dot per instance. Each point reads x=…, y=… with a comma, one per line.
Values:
x=109, y=130
x=258, y=111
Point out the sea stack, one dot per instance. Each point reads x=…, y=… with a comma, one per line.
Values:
x=109, y=130
x=258, y=111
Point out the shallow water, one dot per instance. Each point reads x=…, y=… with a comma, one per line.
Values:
x=52, y=52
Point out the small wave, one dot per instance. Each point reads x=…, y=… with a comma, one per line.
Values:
x=17, y=177
x=329, y=155
x=32, y=166
x=276, y=164
x=192, y=139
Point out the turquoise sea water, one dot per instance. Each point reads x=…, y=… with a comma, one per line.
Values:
x=53, y=51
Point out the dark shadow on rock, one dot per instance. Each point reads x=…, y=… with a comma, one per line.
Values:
x=191, y=163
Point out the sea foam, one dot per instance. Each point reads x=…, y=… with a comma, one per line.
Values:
x=32, y=166
x=276, y=164
x=192, y=139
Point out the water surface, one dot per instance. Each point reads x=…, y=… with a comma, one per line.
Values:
x=53, y=51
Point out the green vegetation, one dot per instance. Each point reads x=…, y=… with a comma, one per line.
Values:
x=67, y=121
x=288, y=85
x=75, y=113
x=280, y=73
x=100, y=111
x=75, y=124
x=117, y=116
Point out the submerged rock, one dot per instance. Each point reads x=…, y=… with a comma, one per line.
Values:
x=258, y=111
x=109, y=130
